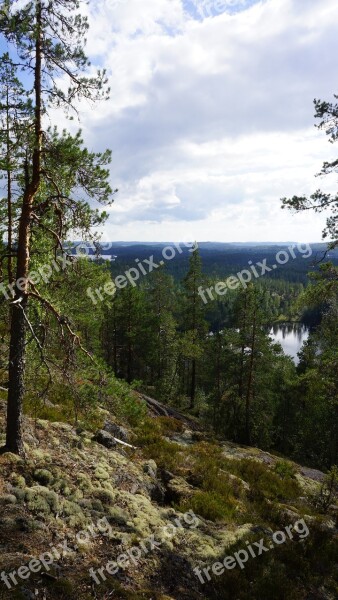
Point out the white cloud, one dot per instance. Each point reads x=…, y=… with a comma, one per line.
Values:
x=211, y=120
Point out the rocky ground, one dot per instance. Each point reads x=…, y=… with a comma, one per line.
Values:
x=189, y=500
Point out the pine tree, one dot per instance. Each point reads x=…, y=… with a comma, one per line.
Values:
x=161, y=328
x=320, y=201
x=194, y=325
x=15, y=113
x=48, y=39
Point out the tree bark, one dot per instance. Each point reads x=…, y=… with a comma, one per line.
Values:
x=9, y=196
x=16, y=387
x=193, y=384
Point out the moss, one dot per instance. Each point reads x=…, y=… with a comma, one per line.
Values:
x=101, y=472
x=19, y=493
x=41, y=455
x=71, y=508
x=43, y=476
x=43, y=424
x=18, y=480
x=12, y=459
x=62, y=486
x=39, y=505
x=117, y=515
x=85, y=503
x=84, y=483
x=105, y=496
x=42, y=500
x=97, y=505
x=75, y=496
x=8, y=499
x=63, y=588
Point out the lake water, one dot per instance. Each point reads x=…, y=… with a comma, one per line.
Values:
x=291, y=336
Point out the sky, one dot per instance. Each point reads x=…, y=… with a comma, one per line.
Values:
x=211, y=116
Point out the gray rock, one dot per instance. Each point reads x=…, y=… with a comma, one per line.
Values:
x=27, y=594
x=157, y=492
x=105, y=439
x=116, y=431
x=150, y=468
x=166, y=476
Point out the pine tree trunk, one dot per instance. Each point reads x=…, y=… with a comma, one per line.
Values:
x=250, y=383
x=9, y=197
x=14, y=436
x=16, y=387
x=193, y=385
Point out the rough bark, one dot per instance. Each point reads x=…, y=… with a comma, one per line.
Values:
x=16, y=387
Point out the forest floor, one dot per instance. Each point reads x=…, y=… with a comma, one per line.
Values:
x=174, y=501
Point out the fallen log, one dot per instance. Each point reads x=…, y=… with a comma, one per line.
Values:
x=161, y=410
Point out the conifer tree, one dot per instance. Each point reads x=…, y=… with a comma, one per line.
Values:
x=48, y=39
x=194, y=324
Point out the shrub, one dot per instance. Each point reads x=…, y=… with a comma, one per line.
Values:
x=209, y=505
x=285, y=469
x=170, y=425
x=266, y=483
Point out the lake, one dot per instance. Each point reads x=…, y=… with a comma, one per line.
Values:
x=291, y=336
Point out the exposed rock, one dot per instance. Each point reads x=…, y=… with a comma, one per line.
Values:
x=313, y=474
x=115, y=430
x=185, y=438
x=288, y=513
x=239, y=481
x=150, y=468
x=157, y=492
x=178, y=488
x=166, y=476
x=105, y=439
x=27, y=594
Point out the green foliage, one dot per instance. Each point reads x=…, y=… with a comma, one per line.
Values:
x=328, y=493
x=210, y=505
x=265, y=483
x=320, y=201
x=288, y=572
x=124, y=403
x=166, y=454
x=284, y=469
x=169, y=425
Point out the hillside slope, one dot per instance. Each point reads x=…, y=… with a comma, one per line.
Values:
x=172, y=503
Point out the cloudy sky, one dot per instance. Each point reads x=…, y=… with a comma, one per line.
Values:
x=211, y=117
